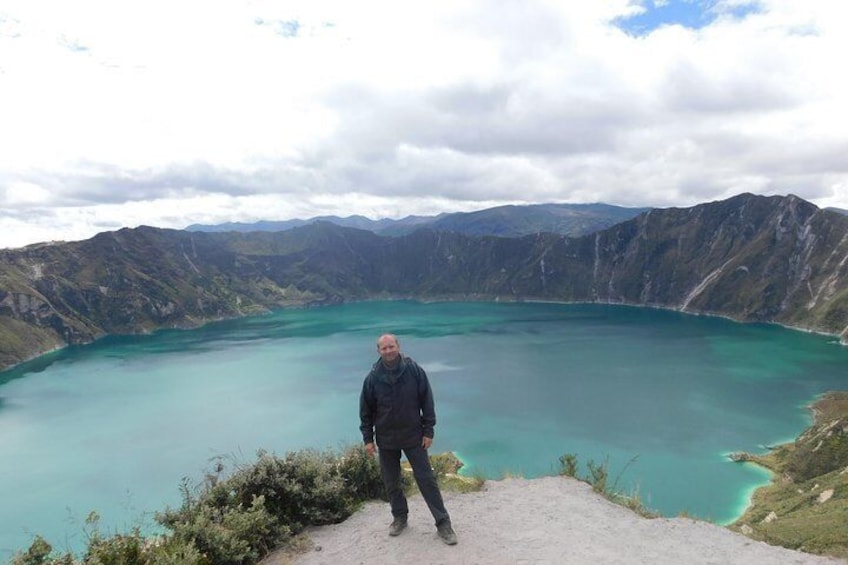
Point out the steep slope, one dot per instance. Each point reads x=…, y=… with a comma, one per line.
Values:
x=752, y=258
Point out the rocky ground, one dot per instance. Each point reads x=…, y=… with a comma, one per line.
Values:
x=551, y=520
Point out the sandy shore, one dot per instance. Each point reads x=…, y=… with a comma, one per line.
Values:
x=551, y=520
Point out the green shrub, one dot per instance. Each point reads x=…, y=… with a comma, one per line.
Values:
x=39, y=554
x=35, y=555
x=237, y=519
x=119, y=549
x=361, y=473
x=169, y=550
x=303, y=488
x=226, y=535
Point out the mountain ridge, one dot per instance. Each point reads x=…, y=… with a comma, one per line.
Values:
x=752, y=258
x=506, y=221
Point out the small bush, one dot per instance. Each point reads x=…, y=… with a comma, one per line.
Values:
x=237, y=519
x=35, y=555
x=361, y=473
x=303, y=488
x=168, y=550
x=119, y=549
x=228, y=535
x=568, y=465
x=39, y=554
x=598, y=475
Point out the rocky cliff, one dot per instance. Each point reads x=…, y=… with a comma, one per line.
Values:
x=751, y=258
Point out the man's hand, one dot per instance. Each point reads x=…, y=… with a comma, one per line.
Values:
x=370, y=448
x=426, y=442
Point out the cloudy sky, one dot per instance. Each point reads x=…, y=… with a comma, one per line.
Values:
x=174, y=112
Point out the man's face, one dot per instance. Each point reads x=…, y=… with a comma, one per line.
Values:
x=389, y=350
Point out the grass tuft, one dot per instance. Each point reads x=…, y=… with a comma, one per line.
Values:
x=598, y=478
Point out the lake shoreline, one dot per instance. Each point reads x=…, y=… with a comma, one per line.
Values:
x=804, y=504
x=841, y=337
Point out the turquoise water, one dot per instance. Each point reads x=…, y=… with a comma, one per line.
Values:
x=661, y=396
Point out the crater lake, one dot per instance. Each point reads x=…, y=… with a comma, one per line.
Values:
x=661, y=397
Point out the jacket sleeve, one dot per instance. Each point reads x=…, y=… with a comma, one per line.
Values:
x=366, y=412
x=428, y=406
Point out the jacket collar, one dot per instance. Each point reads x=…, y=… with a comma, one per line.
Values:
x=382, y=371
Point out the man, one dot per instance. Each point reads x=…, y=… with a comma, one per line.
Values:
x=397, y=400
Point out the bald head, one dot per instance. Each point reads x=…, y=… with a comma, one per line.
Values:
x=389, y=348
x=386, y=337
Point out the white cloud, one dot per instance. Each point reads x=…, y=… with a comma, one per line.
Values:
x=23, y=194
x=170, y=113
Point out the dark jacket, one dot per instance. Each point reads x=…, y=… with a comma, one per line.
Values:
x=399, y=406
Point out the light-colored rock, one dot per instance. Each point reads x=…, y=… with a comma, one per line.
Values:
x=825, y=495
x=772, y=516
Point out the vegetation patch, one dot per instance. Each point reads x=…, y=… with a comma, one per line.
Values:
x=236, y=516
x=806, y=506
x=239, y=513
x=20, y=339
x=598, y=477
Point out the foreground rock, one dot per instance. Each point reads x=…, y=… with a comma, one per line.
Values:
x=548, y=520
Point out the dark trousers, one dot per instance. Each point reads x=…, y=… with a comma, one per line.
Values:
x=424, y=477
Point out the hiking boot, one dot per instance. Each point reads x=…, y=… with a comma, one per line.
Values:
x=398, y=525
x=446, y=532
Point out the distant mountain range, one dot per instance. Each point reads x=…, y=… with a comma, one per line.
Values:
x=750, y=258
x=504, y=221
